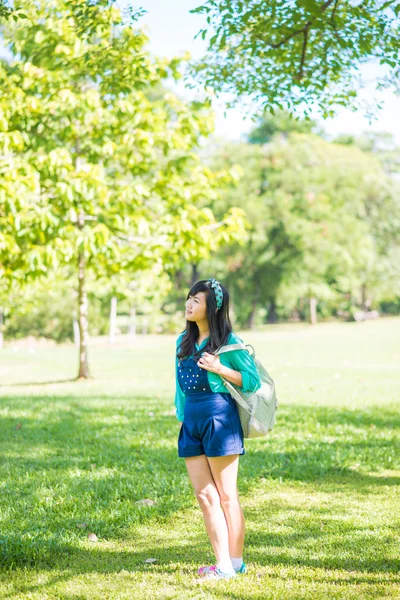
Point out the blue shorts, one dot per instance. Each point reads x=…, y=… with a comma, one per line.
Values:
x=211, y=426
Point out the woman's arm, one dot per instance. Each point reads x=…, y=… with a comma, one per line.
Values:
x=244, y=374
x=180, y=397
x=179, y=402
x=242, y=361
x=231, y=375
x=211, y=362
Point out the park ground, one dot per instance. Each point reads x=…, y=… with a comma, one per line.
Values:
x=320, y=494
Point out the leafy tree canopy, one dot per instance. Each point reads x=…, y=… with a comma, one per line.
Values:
x=300, y=53
x=283, y=123
x=324, y=223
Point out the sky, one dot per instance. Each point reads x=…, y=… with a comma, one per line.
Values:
x=171, y=29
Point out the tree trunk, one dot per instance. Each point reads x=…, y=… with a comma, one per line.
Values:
x=272, y=316
x=195, y=274
x=363, y=296
x=179, y=278
x=76, y=333
x=250, y=320
x=302, y=307
x=313, y=310
x=83, y=313
x=365, y=299
x=113, y=321
x=83, y=319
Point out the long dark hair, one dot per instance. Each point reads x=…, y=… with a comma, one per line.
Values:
x=218, y=321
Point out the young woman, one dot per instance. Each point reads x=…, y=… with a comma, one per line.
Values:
x=211, y=437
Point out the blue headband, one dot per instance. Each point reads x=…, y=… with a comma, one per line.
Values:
x=219, y=296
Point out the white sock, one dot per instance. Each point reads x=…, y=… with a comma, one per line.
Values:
x=236, y=562
x=225, y=565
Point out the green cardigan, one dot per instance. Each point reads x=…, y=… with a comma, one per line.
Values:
x=239, y=360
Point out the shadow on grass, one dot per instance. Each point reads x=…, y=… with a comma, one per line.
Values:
x=73, y=561
x=39, y=383
x=332, y=447
x=90, y=462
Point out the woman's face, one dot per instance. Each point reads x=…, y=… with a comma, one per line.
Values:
x=196, y=307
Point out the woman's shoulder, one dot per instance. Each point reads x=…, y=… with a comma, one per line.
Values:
x=234, y=338
x=179, y=338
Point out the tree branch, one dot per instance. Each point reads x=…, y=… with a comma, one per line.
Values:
x=333, y=20
x=307, y=26
x=300, y=74
x=334, y=13
x=289, y=37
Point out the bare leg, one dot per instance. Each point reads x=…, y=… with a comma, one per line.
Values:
x=224, y=470
x=210, y=504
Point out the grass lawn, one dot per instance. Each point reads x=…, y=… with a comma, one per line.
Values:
x=320, y=495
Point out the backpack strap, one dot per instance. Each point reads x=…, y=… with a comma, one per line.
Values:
x=231, y=347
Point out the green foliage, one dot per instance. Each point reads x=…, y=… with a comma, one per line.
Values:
x=43, y=314
x=324, y=222
x=101, y=169
x=281, y=123
x=47, y=307
x=304, y=54
x=382, y=145
x=7, y=11
x=48, y=311
x=95, y=166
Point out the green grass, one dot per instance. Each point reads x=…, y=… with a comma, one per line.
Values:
x=320, y=495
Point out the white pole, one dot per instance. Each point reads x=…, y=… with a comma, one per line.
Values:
x=1, y=326
x=132, y=324
x=113, y=320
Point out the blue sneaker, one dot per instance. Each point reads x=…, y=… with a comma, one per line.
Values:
x=242, y=570
x=205, y=570
x=213, y=573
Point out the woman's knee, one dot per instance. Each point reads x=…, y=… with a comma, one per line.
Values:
x=229, y=500
x=208, y=497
